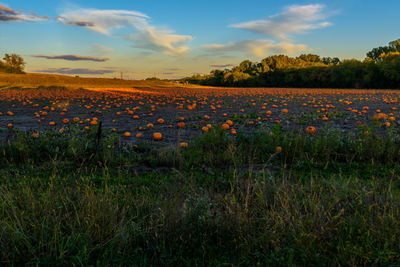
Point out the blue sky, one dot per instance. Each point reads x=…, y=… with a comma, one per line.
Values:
x=172, y=39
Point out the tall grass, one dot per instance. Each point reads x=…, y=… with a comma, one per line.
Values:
x=245, y=204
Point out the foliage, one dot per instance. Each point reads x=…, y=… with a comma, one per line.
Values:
x=12, y=63
x=379, y=70
x=323, y=200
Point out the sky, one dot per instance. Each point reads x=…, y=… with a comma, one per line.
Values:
x=173, y=39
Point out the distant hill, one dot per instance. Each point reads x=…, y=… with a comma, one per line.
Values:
x=34, y=80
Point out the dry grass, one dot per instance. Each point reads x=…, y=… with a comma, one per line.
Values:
x=34, y=80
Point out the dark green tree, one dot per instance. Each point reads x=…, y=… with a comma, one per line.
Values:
x=14, y=63
x=393, y=46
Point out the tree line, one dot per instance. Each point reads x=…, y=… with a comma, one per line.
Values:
x=12, y=64
x=380, y=69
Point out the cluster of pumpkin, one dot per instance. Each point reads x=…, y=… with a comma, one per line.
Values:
x=213, y=107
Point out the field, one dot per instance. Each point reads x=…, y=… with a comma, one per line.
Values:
x=235, y=177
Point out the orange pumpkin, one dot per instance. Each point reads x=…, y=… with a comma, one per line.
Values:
x=311, y=130
x=205, y=129
x=184, y=144
x=157, y=136
x=225, y=126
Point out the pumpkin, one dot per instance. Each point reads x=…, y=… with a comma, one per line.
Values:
x=278, y=149
x=311, y=130
x=184, y=144
x=157, y=136
x=181, y=124
x=205, y=129
x=160, y=121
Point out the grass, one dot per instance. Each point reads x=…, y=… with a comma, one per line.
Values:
x=74, y=199
x=36, y=80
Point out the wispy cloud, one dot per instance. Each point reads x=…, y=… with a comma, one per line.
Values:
x=219, y=66
x=77, y=71
x=98, y=49
x=73, y=58
x=102, y=21
x=258, y=48
x=294, y=19
x=160, y=41
x=8, y=14
x=145, y=36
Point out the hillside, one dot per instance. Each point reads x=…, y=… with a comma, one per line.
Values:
x=33, y=80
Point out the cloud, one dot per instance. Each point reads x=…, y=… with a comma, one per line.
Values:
x=222, y=65
x=102, y=21
x=294, y=19
x=172, y=69
x=81, y=23
x=99, y=49
x=160, y=41
x=73, y=58
x=8, y=14
x=258, y=48
x=75, y=71
x=145, y=36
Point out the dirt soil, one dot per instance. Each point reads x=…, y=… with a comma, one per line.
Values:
x=248, y=109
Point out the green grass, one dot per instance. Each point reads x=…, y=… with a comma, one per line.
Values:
x=74, y=199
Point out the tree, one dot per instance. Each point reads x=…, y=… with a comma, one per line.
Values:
x=14, y=63
x=246, y=66
x=329, y=60
x=310, y=58
x=375, y=53
x=395, y=44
